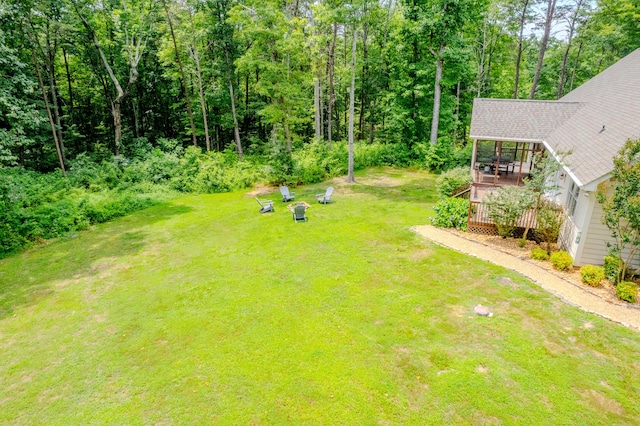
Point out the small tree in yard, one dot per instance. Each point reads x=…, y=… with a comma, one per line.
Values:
x=541, y=181
x=549, y=217
x=506, y=206
x=620, y=199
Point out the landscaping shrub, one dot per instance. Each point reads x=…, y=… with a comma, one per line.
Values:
x=592, y=275
x=612, y=268
x=549, y=217
x=505, y=207
x=627, y=291
x=538, y=253
x=451, y=213
x=451, y=180
x=561, y=260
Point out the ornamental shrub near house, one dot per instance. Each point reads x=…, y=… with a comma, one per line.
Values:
x=451, y=180
x=506, y=206
x=612, y=267
x=561, y=260
x=592, y=275
x=538, y=253
x=627, y=291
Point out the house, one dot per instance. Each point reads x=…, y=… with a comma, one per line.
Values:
x=592, y=122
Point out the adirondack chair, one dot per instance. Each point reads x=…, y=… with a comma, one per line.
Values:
x=299, y=213
x=265, y=206
x=326, y=197
x=286, y=195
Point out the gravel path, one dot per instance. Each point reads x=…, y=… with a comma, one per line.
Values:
x=571, y=293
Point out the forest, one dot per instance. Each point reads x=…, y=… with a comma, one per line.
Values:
x=105, y=103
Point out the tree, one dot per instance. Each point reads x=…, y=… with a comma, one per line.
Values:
x=350, y=175
x=572, y=18
x=620, y=200
x=133, y=24
x=506, y=206
x=183, y=78
x=444, y=29
x=19, y=115
x=276, y=53
x=519, y=11
x=551, y=7
x=542, y=181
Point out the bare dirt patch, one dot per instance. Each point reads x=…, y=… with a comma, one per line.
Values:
x=603, y=402
x=259, y=190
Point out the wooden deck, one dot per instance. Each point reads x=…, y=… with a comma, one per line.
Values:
x=484, y=183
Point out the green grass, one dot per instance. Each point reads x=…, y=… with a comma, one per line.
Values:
x=202, y=311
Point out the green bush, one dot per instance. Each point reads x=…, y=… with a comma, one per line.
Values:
x=451, y=213
x=627, y=291
x=550, y=218
x=592, y=275
x=451, y=180
x=561, y=260
x=538, y=253
x=612, y=267
x=506, y=206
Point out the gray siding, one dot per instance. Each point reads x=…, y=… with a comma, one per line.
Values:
x=595, y=245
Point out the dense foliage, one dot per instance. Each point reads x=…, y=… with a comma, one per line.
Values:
x=506, y=206
x=451, y=180
x=451, y=213
x=113, y=77
x=39, y=206
x=115, y=91
x=620, y=200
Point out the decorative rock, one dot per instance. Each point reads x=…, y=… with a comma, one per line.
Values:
x=483, y=311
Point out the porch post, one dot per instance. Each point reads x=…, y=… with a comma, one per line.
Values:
x=474, y=155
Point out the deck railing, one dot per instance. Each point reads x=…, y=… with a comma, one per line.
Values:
x=478, y=219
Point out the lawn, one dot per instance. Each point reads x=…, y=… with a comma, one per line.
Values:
x=202, y=311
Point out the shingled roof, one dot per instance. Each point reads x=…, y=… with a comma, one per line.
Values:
x=518, y=120
x=609, y=101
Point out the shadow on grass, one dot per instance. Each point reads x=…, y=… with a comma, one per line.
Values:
x=27, y=277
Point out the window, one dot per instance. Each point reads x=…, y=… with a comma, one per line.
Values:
x=572, y=198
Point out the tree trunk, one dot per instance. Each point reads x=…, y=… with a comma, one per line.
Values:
x=70, y=88
x=523, y=17
x=565, y=57
x=183, y=78
x=551, y=7
x=117, y=122
x=49, y=56
x=316, y=106
x=365, y=77
x=203, y=105
x=331, y=87
x=134, y=59
x=435, y=120
x=236, y=130
x=350, y=174
x=575, y=67
x=481, y=74
x=46, y=104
